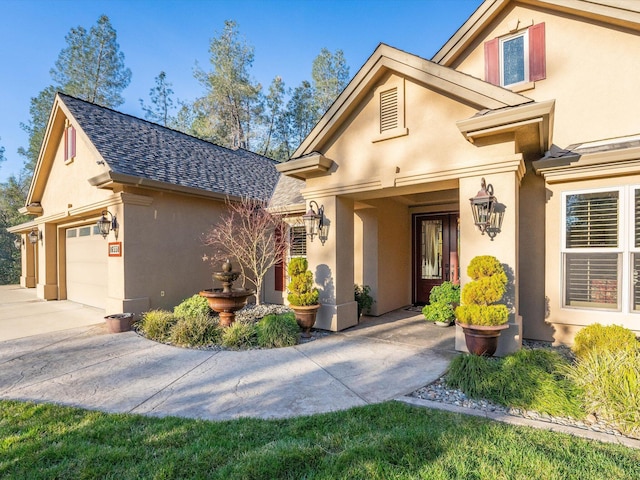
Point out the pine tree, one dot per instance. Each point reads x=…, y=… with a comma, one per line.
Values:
x=161, y=102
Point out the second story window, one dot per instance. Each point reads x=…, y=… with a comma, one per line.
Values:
x=516, y=59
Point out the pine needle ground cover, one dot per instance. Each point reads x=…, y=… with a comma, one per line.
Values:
x=389, y=440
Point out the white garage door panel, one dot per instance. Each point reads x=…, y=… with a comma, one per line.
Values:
x=86, y=267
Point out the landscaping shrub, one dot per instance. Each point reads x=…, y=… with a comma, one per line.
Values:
x=275, y=331
x=191, y=307
x=240, y=335
x=196, y=331
x=156, y=325
x=611, y=384
x=598, y=338
x=528, y=379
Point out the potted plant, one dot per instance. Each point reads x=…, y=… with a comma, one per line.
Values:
x=119, y=322
x=362, y=295
x=303, y=296
x=479, y=316
x=443, y=299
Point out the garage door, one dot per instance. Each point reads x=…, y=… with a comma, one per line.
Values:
x=86, y=266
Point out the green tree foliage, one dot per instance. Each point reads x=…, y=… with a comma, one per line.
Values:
x=39, y=109
x=330, y=74
x=12, y=194
x=301, y=112
x=276, y=143
x=231, y=107
x=91, y=66
x=159, y=111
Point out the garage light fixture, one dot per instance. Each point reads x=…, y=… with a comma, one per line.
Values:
x=487, y=212
x=33, y=235
x=105, y=225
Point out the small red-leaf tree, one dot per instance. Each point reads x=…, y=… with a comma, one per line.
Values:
x=250, y=236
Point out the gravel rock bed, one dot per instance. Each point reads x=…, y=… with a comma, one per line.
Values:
x=438, y=391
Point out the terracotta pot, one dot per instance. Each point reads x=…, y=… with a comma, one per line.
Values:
x=482, y=340
x=306, y=318
x=119, y=322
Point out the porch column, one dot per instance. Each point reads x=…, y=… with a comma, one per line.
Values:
x=504, y=247
x=47, y=288
x=28, y=263
x=332, y=266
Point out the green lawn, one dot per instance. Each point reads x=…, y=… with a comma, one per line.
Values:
x=390, y=440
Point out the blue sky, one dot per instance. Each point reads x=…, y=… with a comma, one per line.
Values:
x=174, y=35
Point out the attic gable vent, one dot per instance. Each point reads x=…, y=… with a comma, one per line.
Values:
x=388, y=110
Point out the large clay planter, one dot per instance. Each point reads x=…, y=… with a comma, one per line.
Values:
x=482, y=340
x=306, y=318
x=120, y=322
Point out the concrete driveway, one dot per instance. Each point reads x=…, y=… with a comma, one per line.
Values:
x=79, y=363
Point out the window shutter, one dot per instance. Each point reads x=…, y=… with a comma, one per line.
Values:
x=592, y=220
x=537, y=55
x=69, y=143
x=388, y=110
x=492, y=61
x=279, y=270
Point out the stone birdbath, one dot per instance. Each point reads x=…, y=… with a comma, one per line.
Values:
x=226, y=301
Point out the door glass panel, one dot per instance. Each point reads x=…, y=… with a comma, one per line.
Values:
x=431, y=249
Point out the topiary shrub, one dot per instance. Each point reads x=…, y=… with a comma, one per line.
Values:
x=240, y=335
x=196, y=331
x=156, y=325
x=194, y=306
x=301, y=289
x=275, y=331
x=597, y=338
x=488, y=285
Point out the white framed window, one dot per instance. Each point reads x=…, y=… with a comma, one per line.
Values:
x=514, y=59
x=601, y=249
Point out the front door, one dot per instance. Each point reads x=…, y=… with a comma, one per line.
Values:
x=435, y=247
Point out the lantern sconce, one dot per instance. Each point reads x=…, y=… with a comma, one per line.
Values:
x=487, y=212
x=34, y=235
x=105, y=225
x=315, y=223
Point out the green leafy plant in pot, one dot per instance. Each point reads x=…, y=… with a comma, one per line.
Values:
x=443, y=299
x=362, y=295
x=480, y=316
x=303, y=296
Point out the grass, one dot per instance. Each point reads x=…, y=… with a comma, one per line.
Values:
x=389, y=440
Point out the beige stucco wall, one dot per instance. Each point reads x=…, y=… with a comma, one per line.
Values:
x=590, y=73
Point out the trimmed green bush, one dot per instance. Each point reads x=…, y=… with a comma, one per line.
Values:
x=611, y=384
x=598, y=338
x=528, y=379
x=301, y=289
x=156, y=325
x=240, y=335
x=447, y=292
x=275, y=331
x=191, y=307
x=196, y=331
x=479, y=296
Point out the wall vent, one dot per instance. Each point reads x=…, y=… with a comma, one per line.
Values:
x=388, y=110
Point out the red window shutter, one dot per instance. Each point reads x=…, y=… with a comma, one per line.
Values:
x=492, y=61
x=72, y=131
x=279, y=268
x=69, y=143
x=537, y=56
x=66, y=143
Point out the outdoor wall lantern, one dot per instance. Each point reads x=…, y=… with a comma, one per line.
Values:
x=33, y=236
x=487, y=212
x=314, y=222
x=105, y=225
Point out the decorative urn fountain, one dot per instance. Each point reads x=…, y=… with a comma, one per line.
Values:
x=226, y=301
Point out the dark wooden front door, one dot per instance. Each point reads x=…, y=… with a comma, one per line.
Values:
x=435, y=253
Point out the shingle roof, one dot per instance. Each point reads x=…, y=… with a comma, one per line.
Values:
x=132, y=146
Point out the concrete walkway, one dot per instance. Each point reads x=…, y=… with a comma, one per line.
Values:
x=80, y=364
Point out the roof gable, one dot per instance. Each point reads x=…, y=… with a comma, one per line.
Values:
x=135, y=151
x=466, y=88
x=621, y=13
